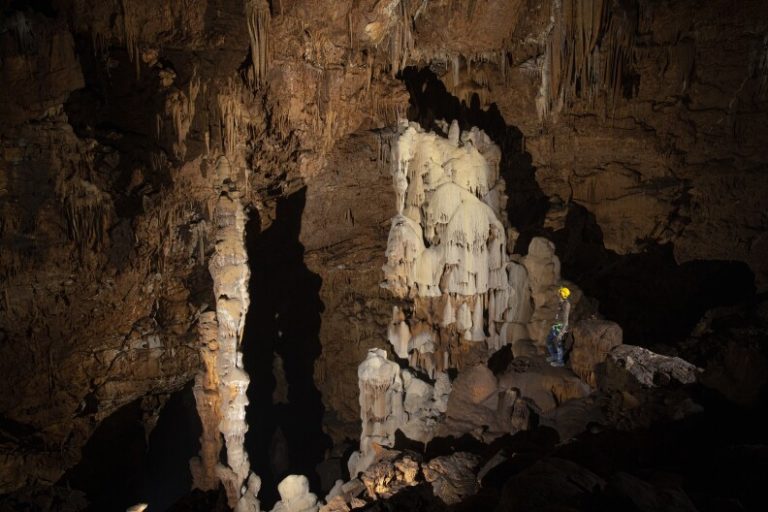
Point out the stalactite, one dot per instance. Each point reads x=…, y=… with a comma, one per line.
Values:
x=181, y=107
x=87, y=211
x=259, y=17
x=17, y=23
x=131, y=31
x=589, y=51
x=228, y=100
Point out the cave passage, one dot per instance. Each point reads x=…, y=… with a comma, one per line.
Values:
x=656, y=301
x=119, y=468
x=280, y=345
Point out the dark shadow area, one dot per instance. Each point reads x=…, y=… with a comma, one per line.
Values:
x=718, y=457
x=174, y=440
x=44, y=7
x=110, y=472
x=430, y=101
x=126, y=111
x=284, y=320
x=118, y=469
x=655, y=300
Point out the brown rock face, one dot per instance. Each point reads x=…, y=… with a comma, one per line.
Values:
x=635, y=129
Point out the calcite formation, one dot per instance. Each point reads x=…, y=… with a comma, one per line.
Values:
x=208, y=401
x=381, y=407
x=447, y=248
x=295, y=495
x=637, y=123
x=466, y=297
x=220, y=387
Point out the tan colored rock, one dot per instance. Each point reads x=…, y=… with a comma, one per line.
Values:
x=544, y=385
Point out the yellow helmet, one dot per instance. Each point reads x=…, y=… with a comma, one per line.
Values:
x=564, y=292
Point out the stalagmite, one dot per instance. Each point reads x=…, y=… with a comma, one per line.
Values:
x=381, y=407
x=447, y=253
x=295, y=495
x=220, y=388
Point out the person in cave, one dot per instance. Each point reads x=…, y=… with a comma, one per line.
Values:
x=559, y=328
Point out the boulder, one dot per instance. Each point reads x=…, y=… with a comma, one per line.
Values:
x=630, y=367
x=551, y=484
x=592, y=341
x=452, y=477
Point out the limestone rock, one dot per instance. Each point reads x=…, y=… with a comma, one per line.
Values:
x=628, y=367
x=390, y=475
x=452, y=477
x=478, y=405
x=547, y=387
x=646, y=497
x=592, y=341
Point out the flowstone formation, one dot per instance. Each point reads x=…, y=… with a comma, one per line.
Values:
x=464, y=295
x=447, y=248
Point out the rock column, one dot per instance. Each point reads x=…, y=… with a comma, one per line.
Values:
x=220, y=388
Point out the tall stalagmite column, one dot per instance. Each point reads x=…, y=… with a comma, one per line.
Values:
x=230, y=272
x=220, y=388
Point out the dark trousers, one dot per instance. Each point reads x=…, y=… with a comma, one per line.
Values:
x=555, y=344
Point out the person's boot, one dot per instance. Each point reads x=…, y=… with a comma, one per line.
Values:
x=556, y=363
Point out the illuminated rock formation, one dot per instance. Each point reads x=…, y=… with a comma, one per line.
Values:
x=295, y=495
x=230, y=272
x=220, y=387
x=446, y=252
x=381, y=407
x=447, y=248
x=208, y=402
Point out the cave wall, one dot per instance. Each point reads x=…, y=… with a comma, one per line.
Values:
x=114, y=115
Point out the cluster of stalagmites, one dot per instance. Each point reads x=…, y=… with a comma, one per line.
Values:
x=465, y=296
x=447, y=255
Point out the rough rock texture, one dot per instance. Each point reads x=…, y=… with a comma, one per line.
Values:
x=452, y=477
x=115, y=114
x=628, y=367
x=592, y=341
x=545, y=386
x=550, y=484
